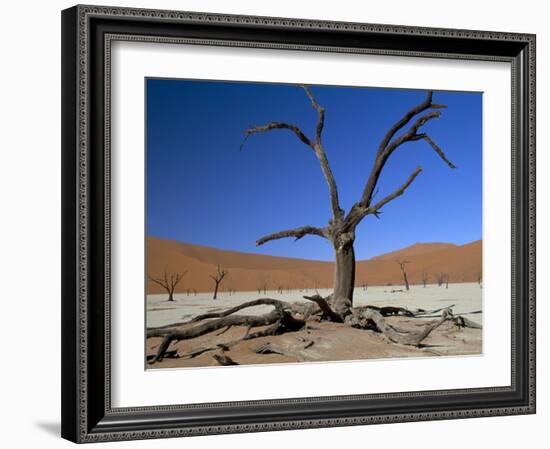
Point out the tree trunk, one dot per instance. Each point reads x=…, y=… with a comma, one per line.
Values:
x=170, y=296
x=344, y=272
x=216, y=290
x=406, y=280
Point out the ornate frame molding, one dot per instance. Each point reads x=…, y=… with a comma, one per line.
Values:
x=84, y=418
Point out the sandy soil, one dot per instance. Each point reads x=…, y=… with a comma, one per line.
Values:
x=323, y=341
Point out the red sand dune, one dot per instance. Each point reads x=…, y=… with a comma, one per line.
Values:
x=247, y=272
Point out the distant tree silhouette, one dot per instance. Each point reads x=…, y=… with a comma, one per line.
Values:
x=169, y=283
x=218, y=278
x=403, y=267
x=424, y=278
x=440, y=278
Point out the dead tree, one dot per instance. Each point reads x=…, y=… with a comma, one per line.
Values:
x=340, y=230
x=446, y=281
x=169, y=283
x=403, y=267
x=440, y=278
x=424, y=278
x=479, y=279
x=218, y=278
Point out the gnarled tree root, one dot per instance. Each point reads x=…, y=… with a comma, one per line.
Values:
x=288, y=317
x=462, y=321
x=369, y=318
x=279, y=321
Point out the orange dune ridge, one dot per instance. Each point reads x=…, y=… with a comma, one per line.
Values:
x=249, y=272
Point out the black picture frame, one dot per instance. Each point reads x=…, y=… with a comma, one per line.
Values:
x=87, y=415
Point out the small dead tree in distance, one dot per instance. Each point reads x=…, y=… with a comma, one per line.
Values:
x=218, y=278
x=262, y=287
x=440, y=278
x=403, y=267
x=424, y=278
x=168, y=283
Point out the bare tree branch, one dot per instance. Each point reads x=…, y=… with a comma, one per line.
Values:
x=388, y=146
x=298, y=233
x=426, y=104
x=316, y=146
x=169, y=284
x=382, y=157
x=438, y=150
x=337, y=212
x=320, y=112
x=277, y=125
x=374, y=209
x=160, y=282
x=357, y=213
x=412, y=133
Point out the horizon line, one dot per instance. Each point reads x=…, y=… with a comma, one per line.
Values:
x=311, y=260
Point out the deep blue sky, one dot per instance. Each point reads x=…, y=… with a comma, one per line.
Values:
x=202, y=189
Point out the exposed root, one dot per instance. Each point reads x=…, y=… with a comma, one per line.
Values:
x=279, y=321
x=461, y=321
x=224, y=360
x=223, y=331
x=326, y=309
x=257, y=302
x=400, y=336
x=168, y=354
x=421, y=313
x=270, y=348
x=370, y=318
x=288, y=317
x=390, y=311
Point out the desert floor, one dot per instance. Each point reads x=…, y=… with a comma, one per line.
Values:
x=322, y=341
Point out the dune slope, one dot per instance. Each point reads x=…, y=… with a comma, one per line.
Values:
x=248, y=272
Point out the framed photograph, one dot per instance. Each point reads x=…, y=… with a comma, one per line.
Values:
x=284, y=223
